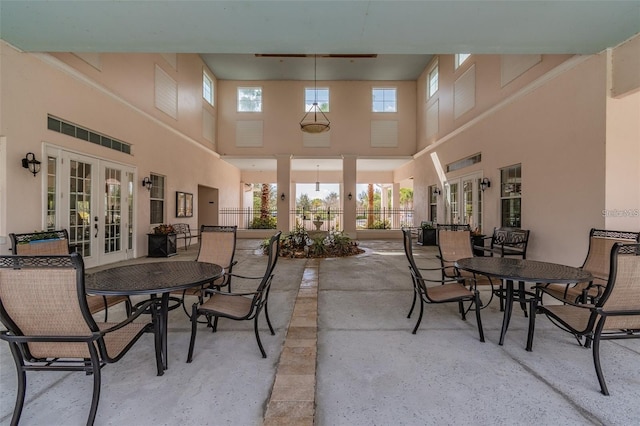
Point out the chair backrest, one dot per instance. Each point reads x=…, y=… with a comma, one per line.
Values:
x=453, y=246
x=45, y=296
x=453, y=227
x=40, y=243
x=217, y=245
x=620, y=301
x=408, y=248
x=262, y=292
x=601, y=242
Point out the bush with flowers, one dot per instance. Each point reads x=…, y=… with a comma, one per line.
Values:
x=299, y=243
x=164, y=229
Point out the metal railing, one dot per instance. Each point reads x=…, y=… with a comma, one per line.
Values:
x=320, y=219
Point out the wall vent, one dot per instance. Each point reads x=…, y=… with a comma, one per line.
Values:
x=166, y=93
x=384, y=133
x=70, y=129
x=464, y=92
x=249, y=133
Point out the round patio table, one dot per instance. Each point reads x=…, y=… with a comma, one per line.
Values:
x=521, y=270
x=158, y=280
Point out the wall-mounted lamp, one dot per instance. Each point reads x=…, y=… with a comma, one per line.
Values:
x=282, y=196
x=29, y=162
x=485, y=183
x=349, y=196
x=146, y=183
x=437, y=191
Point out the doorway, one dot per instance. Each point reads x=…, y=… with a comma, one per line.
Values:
x=207, y=206
x=463, y=203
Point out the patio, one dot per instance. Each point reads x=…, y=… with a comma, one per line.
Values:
x=370, y=369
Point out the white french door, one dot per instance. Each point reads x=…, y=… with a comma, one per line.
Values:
x=463, y=203
x=93, y=200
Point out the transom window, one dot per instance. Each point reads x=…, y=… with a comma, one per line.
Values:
x=249, y=99
x=207, y=88
x=432, y=81
x=461, y=57
x=384, y=100
x=321, y=96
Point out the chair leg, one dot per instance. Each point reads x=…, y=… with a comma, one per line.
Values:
x=478, y=318
x=22, y=384
x=266, y=314
x=596, y=357
x=413, y=304
x=255, y=328
x=194, y=330
x=214, y=328
x=95, y=370
x=462, y=310
x=415, y=329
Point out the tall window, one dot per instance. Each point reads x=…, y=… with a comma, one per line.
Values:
x=156, y=198
x=433, y=203
x=321, y=96
x=460, y=58
x=510, y=195
x=207, y=88
x=384, y=100
x=249, y=99
x=51, y=193
x=432, y=81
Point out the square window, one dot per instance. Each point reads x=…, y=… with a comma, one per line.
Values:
x=249, y=99
x=321, y=96
x=384, y=100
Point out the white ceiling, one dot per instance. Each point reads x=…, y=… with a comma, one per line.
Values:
x=404, y=35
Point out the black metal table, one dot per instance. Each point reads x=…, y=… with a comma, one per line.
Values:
x=521, y=270
x=156, y=279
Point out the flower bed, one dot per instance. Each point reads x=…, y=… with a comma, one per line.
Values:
x=300, y=244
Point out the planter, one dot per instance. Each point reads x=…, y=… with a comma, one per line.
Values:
x=477, y=240
x=427, y=237
x=162, y=245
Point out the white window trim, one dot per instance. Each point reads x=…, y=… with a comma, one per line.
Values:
x=433, y=69
x=206, y=77
x=313, y=100
x=459, y=59
x=395, y=89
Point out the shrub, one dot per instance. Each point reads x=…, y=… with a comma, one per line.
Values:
x=264, y=223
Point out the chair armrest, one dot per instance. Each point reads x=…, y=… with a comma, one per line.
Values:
x=141, y=310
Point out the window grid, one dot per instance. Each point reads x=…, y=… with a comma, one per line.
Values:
x=249, y=99
x=511, y=195
x=51, y=192
x=156, y=199
x=384, y=100
x=319, y=95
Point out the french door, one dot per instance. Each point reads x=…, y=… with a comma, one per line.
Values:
x=93, y=200
x=463, y=203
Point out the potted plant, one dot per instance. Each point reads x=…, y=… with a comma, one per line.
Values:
x=162, y=242
x=427, y=234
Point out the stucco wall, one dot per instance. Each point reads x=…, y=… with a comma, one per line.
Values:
x=34, y=85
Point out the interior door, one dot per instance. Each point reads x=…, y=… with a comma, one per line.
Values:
x=94, y=202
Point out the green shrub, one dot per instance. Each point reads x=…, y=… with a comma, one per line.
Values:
x=264, y=223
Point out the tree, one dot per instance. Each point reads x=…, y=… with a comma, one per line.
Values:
x=406, y=198
x=265, y=198
x=331, y=201
x=303, y=202
x=370, y=196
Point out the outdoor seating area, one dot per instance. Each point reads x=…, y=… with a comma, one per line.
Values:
x=363, y=368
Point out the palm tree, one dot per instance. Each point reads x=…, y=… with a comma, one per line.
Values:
x=370, y=195
x=265, y=201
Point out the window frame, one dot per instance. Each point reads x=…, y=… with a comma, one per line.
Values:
x=384, y=102
x=460, y=58
x=239, y=100
x=511, y=195
x=435, y=69
x=157, y=195
x=206, y=79
x=308, y=103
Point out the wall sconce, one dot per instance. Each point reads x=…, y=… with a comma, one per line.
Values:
x=437, y=191
x=485, y=183
x=146, y=183
x=282, y=196
x=349, y=196
x=29, y=162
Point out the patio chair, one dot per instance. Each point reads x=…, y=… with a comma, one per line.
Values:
x=57, y=243
x=238, y=306
x=49, y=325
x=217, y=245
x=507, y=241
x=615, y=315
x=597, y=262
x=449, y=291
x=456, y=245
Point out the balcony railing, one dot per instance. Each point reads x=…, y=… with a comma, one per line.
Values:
x=317, y=219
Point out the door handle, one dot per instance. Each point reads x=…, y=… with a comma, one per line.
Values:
x=96, y=227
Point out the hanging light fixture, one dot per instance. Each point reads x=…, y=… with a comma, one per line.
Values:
x=315, y=125
x=318, y=178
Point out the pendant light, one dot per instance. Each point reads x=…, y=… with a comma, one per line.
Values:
x=315, y=126
x=318, y=178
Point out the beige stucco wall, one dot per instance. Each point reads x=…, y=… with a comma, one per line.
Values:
x=34, y=85
x=556, y=130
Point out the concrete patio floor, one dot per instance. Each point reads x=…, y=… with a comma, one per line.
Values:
x=369, y=368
